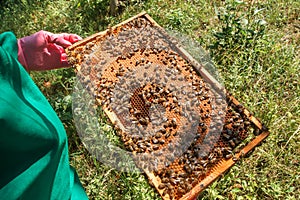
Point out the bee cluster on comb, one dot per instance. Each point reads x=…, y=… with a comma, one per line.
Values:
x=180, y=126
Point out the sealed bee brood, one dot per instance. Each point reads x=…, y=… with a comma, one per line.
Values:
x=183, y=128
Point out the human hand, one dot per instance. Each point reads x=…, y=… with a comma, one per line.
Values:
x=44, y=50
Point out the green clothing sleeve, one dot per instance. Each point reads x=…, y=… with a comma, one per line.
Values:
x=33, y=144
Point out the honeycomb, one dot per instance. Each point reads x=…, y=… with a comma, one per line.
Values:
x=183, y=129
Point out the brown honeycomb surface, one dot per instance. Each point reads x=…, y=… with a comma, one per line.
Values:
x=166, y=105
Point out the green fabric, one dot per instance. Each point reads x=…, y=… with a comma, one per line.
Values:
x=33, y=143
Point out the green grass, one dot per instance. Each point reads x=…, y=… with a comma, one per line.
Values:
x=258, y=62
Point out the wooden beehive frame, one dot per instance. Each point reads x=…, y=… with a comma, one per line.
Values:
x=223, y=165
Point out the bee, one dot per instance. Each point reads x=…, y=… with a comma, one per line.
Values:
x=232, y=144
x=218, y=151
x=247, y=123
x=158, y=134
x=187, y=169
x=149, y=149
x=163, y=130
x=164, y=180
x=154, y=141
x=161, y=141
x=72, y=60
x=188, y=186
x=181, y=190
x=167, y=164
x=155, y=147
x=182, y=174
x=165, y=192
x=167, y=135
x=256, y=132
x=143, y=121
x=264, y=128
x=234, y=158
x=236, y=141
x=170, y=186
x=226, y=136
x=161, y=186
x=213, y=160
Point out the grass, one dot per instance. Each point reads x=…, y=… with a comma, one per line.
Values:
x=255, y=48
